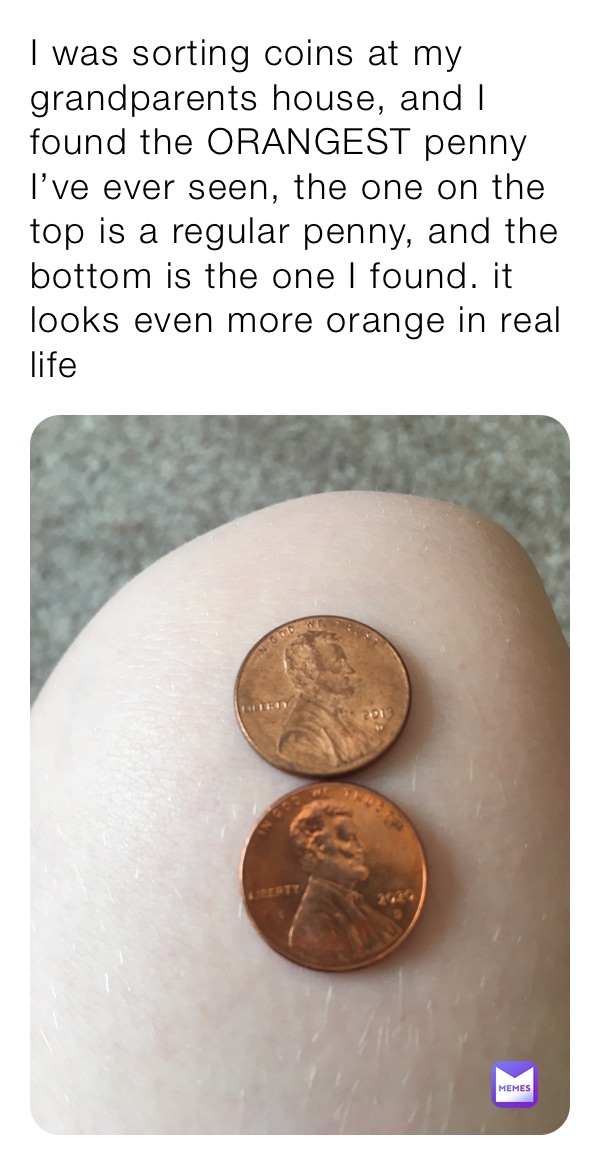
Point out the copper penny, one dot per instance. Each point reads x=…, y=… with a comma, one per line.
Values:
x=322, y=696
x=334, y=876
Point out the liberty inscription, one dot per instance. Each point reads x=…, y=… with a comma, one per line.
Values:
x=336, y=694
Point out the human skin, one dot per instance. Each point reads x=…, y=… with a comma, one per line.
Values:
x=157, y=1006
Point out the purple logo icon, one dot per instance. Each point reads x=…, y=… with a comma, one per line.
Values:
x=515, y=1084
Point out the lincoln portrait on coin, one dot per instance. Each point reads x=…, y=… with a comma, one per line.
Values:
x=333, y=921
x=319, y=731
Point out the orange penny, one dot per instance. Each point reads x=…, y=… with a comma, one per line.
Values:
x=322, y=696
x=334, y=876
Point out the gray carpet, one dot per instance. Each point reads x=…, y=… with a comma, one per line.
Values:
x=112, y=494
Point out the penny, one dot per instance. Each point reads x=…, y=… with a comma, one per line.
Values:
x=322, y=696
x=333, y=876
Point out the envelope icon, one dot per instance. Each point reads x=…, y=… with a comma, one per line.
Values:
x=515, y=1084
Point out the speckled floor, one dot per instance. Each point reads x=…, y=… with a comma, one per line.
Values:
x=112, y=494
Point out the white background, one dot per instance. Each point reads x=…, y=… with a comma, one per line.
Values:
x=538, y=62
x=533, y=62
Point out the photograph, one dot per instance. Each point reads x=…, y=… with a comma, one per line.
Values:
x=300, y=774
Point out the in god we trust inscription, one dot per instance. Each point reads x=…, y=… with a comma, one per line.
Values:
x=334, y=876
x=322, y=696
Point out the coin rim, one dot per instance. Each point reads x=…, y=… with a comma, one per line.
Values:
x=362, y=762
x=355, y=966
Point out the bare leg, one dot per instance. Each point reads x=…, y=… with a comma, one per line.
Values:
x=157, y=1008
